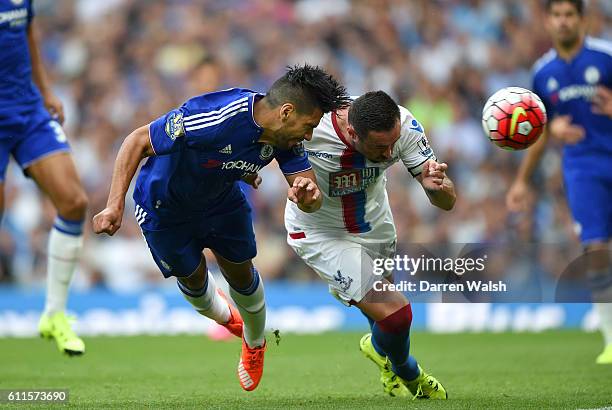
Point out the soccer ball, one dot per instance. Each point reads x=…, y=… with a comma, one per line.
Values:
x=513, y=118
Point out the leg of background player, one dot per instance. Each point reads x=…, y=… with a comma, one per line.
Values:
x=56, y=175
x=600, y=276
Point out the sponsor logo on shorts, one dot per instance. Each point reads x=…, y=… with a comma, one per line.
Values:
x=344, y=282
x=165, y=265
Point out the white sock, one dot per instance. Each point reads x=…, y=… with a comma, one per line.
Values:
x=64, y=250
x=252, y=306
x=207, y=300
x=604, y=310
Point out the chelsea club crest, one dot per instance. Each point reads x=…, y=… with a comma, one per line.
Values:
x=266, y=152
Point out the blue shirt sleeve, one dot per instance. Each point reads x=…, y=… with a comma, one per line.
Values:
x=168, y=134
x=539, y=89
x=30, y=11
x=293, y=160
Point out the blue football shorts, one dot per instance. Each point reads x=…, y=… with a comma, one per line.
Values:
x=28, y=137
x=589, y=198
x=177, y=249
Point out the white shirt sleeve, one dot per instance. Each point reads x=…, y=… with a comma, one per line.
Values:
x=413, y=146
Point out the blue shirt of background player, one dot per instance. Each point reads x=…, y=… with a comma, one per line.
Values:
x=201, y=150
x=17, y=91
x=567, y=88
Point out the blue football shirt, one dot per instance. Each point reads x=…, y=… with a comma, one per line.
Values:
x=17, y=91
x=201, y=150
x=567, y=88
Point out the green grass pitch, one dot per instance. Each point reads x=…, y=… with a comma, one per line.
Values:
x=547, y=370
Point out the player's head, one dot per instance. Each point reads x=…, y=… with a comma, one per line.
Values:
x=565, y=21
x=374, y=125
x=299, y=99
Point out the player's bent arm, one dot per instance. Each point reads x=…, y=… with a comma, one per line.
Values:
x=530, y=162
x=39, y=76
x=38, y=71
x=304, y=191
x=135, y=147
x=444, y=197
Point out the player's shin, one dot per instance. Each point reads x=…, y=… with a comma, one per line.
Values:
x=207, y=300
x=600, y=280
x=392, y=336
x=371, y=322
x=252, y=306
x=64, y=249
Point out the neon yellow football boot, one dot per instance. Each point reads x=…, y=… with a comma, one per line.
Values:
x=426, y=387
x=57, y=326
x=606, y=356
x=392, y=384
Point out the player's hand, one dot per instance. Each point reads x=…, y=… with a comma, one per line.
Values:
x=54, y=106
x=108, y=221
x=517, y=198
x=602, y=101
x=253, y=180
x=304, y=192
x=433, y=175
x=562, y=129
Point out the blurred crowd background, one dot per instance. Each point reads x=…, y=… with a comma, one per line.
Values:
x=118, y=64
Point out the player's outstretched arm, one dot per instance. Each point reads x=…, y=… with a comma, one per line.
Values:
x=135, y=147
x=39, y=75
x=303, y=191
x=516, y=198
x=439, y=188
x=602, y=102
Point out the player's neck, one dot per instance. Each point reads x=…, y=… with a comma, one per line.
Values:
x=342, y=120
x=264, y=117
x=568, y=52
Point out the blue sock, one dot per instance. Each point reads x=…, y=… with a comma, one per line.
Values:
x=392, y=335
x=378, y=349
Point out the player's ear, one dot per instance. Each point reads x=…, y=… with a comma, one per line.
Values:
x=286, y=110
x=351, y=132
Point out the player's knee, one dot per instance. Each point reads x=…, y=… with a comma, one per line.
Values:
x=74, y=207
x=398, y=321
x=196, y=279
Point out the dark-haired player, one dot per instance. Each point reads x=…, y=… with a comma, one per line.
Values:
x=574, y=81
x=188, y=198
x=30, y=131
x=351, y=149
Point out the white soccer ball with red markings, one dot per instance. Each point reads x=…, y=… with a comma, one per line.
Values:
x=514, y=118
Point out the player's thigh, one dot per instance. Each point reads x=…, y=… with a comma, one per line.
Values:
x=380, y=302
x=176, y=250
x=346, y=266
x=232, y=239
x=11, y=129
x=589, y=199
x=238, y=275
x=44, y=155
